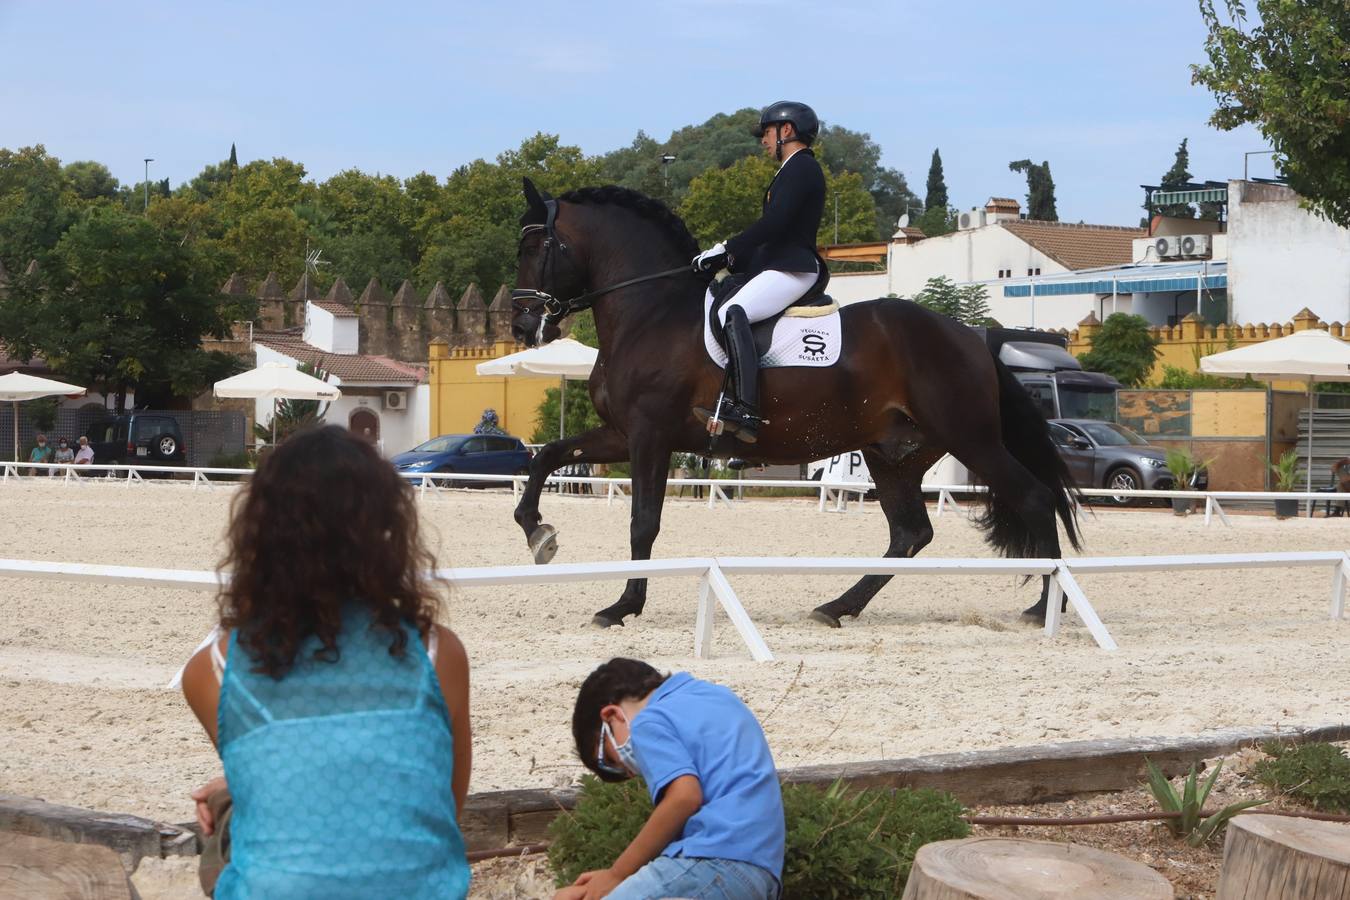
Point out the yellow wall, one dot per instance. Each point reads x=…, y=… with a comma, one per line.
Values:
x=1182, y=344
x=459, y=394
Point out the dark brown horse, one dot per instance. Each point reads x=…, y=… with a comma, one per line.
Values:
x=910, y=386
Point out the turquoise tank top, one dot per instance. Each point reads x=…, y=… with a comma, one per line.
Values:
x=340, y=774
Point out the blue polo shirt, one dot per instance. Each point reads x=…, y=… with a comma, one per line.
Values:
x=691, y=727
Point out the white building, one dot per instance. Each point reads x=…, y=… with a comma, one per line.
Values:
x=387, y=401
x=995, y=246
x=1273, y=259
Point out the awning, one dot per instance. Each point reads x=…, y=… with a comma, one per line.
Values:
x=1162, y=278
x=1173, y=198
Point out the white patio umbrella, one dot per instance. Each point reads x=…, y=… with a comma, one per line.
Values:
x=563, y=358
x=17, y=386
x=276, y=381
x=1312, y=355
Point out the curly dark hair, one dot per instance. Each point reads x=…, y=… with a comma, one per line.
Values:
x=324, y=522
x=617, y=680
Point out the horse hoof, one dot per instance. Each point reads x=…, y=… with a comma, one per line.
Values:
x=600, y=620
x=1031, y=618
x=544, y=544
x=824, y=618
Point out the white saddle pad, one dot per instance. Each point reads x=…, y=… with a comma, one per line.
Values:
x=813, y=342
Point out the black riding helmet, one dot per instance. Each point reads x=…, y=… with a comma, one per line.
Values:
x=802, y=117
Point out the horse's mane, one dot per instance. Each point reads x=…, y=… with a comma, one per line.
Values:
x=648, y=208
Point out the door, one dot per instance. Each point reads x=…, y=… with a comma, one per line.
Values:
x=472, y=456
x=107, y=439
x=1080, y=460
x=365, y=424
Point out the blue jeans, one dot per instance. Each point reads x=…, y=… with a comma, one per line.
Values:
x=698, y=879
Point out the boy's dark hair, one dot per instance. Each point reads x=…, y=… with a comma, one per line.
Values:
x=617, y=680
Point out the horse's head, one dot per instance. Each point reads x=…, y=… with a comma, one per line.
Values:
x=548, y=272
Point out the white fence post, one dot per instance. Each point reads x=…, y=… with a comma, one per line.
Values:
x=10, y=470
x=703, y=619
x=1338, y=588
x=759, y=650
x=1080, y=603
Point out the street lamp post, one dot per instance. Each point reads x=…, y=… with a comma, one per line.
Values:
x=148, y=161
x=836, y=217
x=666, y=160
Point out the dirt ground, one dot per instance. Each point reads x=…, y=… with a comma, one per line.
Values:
x=934, y=665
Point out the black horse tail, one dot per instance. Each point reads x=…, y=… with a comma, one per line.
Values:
x=1026, y=435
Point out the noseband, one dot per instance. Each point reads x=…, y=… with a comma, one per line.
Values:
x=555, y=310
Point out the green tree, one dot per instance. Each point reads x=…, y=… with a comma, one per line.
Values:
x=936, y=221
x=1123, y=348
x=91, y=180
x=1175, y=179
x=935, y=197
x=120, y=306
x=35, y=207
x=841, y=150
x=723, y=202
x=967, y=304
x=1289, y=76
x=1040, y=189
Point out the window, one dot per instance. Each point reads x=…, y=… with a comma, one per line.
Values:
x=499, y=444
x=1061, y=435
x=475, y=445
x=1035, y=271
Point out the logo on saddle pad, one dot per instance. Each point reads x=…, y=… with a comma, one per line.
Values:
x=810, y=342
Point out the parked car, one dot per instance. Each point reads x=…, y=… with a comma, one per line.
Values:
x=148, y=439
x=1107, y=455
x=475, y=454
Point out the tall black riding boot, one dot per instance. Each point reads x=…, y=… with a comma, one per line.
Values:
x=742, y=414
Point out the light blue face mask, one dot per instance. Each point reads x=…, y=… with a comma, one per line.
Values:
x=627, y=756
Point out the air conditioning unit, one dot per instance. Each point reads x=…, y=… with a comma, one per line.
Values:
x=395, y=399
x=1194, y=245
x=972, y=219
x=1167, y=247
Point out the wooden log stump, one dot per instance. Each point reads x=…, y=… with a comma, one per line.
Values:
x=1283, y=858
x=991, y=868
x=40, y=867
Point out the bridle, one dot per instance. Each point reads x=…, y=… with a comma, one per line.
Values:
x=555, y=310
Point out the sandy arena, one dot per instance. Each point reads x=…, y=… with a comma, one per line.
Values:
x=934, y=665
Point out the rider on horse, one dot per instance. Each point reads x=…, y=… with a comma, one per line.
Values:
x=777, y=253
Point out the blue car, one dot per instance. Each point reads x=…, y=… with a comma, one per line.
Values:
x=474, y=454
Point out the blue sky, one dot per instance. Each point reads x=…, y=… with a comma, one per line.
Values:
x=1100, y=89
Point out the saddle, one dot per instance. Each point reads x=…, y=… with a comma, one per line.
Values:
x=815, y=302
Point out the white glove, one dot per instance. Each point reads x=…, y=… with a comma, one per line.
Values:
x=711, y=260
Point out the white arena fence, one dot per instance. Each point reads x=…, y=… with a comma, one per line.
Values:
x=714, y=573
x=833, y=496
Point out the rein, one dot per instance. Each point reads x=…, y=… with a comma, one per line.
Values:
x=555, y=310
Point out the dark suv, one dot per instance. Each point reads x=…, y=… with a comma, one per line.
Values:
x=147, y=439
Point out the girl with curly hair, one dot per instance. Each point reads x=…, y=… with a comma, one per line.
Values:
x=339, y=708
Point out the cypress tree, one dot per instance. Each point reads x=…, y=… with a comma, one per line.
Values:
x=1177, y=177
x=234, y=163
x=936, y=196
x=1040, y=189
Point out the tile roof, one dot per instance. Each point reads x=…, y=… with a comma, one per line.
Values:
x=1078, y=246
x=337, y=309
x=350, y=367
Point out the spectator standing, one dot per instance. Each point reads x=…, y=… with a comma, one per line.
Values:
x=339, y=708
x=717, y=831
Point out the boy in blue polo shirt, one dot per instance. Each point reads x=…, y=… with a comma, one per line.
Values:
x=717, y=832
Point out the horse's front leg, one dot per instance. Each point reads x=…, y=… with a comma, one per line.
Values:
x=651, y=465
x=599, y=445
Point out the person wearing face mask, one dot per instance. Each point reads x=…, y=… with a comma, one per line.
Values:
x=777, y=253
x=42, y=453
x=63, y=455
x=717, y=831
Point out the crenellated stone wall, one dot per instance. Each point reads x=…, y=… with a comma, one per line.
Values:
x=401, y=326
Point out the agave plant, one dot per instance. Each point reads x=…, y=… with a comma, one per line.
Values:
x=1189, y=805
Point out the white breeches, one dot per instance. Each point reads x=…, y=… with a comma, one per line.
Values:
x=768, y=294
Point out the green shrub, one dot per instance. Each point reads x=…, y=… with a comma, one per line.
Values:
x=1316, y=773
x=840, y=843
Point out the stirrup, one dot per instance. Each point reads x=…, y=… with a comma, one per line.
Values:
x=732, y=418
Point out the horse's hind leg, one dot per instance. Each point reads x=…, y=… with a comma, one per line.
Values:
x=599, y=445
x=898, y=476
x=1015, y=492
